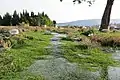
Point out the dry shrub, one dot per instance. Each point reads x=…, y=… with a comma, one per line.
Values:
x=112, y=41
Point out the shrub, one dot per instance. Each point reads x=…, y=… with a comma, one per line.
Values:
x=112, y=41
x=29, y=37
x=67, y=39
x=88, y=32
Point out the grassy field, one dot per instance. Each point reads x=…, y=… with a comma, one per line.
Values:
x=88, y=52
x=106, y=39
x=26, y=48
x=88, y=58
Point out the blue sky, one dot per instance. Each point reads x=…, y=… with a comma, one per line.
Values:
x=61, y=12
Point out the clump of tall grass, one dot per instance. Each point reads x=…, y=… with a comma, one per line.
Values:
x=112, y=41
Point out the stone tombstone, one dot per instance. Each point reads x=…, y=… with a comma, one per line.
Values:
x=14, y=31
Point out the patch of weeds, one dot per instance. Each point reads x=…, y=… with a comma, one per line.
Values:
x=66, y=39
x=87, y=57
x=29, y=37
x=107, y=39
x=40, y=57
x=88, y=32
x=28, y=76
x=23, y=54
x=82, y=47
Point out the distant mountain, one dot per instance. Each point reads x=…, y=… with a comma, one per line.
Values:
x=89, y=22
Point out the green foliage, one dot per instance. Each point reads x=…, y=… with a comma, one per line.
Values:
x=43, y=19
x=67, y=39
x=0, y=20
x=33, y=20
x=22, y=55
x=86, y=56
x=54, y=22
x=6, y=20
x=90, y=2
x=88, y=32
x=15, y=19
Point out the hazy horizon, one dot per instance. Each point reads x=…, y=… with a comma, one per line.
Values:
x=62, y=12
x=87, y=19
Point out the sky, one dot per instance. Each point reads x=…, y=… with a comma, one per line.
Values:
x=64, y=11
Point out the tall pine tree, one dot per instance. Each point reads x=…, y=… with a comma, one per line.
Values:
x=15, y=19
x=0, y=20
x=7, y=18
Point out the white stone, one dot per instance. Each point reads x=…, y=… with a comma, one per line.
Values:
x=105, y=30
x=90, y=34
x=14, y=31
x=84, y=27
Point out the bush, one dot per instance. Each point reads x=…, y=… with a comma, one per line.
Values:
x=29, y=37
x=88, y=32
x=67, y=39
x=112, y=41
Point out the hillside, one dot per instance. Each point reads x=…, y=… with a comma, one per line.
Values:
x=89, y=22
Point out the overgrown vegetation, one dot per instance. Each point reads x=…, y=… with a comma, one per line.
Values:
x=85, y=55
x=79, y=48
x=26, y=47
x=107, y=39
x=88, y=51
x=111, y=39
x=88, y=57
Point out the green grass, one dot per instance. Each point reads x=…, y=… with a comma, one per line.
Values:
x=88, y=52
x=89, y=58
x=86, y=56
x=27, y=47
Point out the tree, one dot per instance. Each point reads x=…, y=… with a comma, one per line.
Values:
x=106, y=16
x=33, y=20
x=32, y=14
x=0, y=20
x=48, y=22
x=54, y=23
x=7, y=18
x=15, y=18
x=107, y=12
x=25, y=18
x=41, y=19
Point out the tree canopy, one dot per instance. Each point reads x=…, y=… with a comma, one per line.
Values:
x=24, y=17
x=90, y=2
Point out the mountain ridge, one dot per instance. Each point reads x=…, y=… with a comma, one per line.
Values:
x=87, y=22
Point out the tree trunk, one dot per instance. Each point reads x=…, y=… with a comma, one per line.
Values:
x=106, y=16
